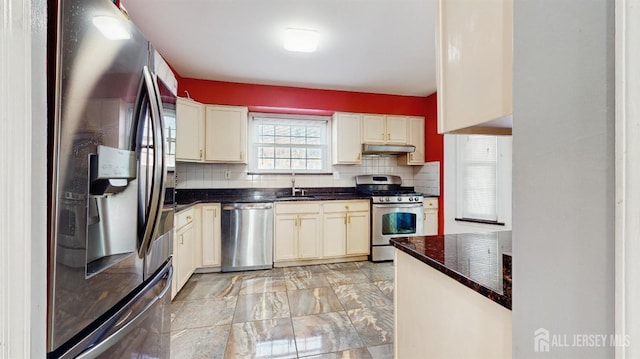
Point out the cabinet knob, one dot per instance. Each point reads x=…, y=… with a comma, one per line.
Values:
x=346, y=207
x=200, y=154
x=181, y=239
x=188, y=218
x=358, y=158
x=382, y=134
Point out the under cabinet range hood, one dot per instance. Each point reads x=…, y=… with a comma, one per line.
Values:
x=375, y=149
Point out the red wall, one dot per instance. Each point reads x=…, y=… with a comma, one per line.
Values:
x=283, y=99
x=434, y=150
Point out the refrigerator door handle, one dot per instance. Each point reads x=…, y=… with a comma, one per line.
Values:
x=151, y=221
x=161, y=159
x=114, y=338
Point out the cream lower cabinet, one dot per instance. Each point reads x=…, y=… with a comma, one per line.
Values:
x=210, y=244
x=346, y=228
x=184, y=247
x=297, y=231
x=430, y=206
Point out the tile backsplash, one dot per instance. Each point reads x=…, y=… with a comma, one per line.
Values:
x=212, y=175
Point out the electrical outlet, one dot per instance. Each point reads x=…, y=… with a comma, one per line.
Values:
x=227, y=174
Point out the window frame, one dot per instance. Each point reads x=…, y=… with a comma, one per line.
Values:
x=460, y=180
x=254, y=144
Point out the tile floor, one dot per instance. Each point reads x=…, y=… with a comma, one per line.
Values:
x=342, y=310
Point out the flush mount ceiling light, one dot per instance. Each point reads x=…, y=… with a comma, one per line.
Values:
x=301, y=40
x=111, y=28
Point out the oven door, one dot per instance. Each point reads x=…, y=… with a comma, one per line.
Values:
x=393, y=220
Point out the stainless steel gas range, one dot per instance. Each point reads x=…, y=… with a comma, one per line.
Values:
x=395, y=211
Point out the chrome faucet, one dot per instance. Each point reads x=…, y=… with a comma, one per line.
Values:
x=295, y=190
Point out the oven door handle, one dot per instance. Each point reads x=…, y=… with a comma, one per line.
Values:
x=398, y=205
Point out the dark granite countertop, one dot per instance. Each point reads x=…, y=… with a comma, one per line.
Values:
x=480, y=261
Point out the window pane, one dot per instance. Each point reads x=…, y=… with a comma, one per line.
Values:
x=299, y=164
x=315, y=153
x=266, y=152
x=266, y=164
x=478, y=168
x=289, y=143
x=283, y=152
x=314, y=164
x=299, y=153
x=283, y=164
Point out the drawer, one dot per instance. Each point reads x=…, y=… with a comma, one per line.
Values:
x=344, y=206
x=183, y=218
x=430, y=203
x=298, y=207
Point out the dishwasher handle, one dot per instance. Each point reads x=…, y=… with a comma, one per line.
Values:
x=241, y=206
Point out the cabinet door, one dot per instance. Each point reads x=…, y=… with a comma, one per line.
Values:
x=373, y=129
x=416, y=138
x=226, y=134
x=335, y=234
x=430, y=216
x=396, y=130
x=474, y=82
x=358, y=233
x=189, y=130
x=211, y=240
x=184, y=261
x=347, y=134
x=309, y=236
x=431, y=222
x=285, y=237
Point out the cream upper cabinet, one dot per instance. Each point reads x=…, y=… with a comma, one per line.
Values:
x=475, y=62
x=430, y=206
x=374, y=129
x=396, y=129
x=346, y=131
x=210, y=253
x=384, y=129
x=298, y=231
x=415, y=135
x=226, y=134
x=189, y=130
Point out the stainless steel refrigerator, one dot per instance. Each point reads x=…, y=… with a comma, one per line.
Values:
x=110, y=228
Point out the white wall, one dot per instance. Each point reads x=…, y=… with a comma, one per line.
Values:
x=198, y=175
x=23, y=204
x=563, y=174
x=451, y=195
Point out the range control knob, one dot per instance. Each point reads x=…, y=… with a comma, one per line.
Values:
x=386, y=199
x=410, y=199
x=416, y=199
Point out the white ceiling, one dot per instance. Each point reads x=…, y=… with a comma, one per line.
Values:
x=378, y=46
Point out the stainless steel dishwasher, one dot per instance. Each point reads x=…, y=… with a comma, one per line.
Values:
x=247, y=236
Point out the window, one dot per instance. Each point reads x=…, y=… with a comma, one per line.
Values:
x=286, y=143
x=478, y=178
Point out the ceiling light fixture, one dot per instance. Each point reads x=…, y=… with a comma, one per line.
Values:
x=301, y=40
x=111, y=28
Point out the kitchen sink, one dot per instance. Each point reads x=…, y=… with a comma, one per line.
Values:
x=295, y=198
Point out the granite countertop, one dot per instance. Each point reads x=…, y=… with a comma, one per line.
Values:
x=188, y=197
x=480, y=261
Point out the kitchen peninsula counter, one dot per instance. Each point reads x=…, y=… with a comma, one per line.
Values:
x=453, y=295
x=480, y=261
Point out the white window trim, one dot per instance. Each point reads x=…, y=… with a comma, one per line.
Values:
x=450, y=189
x=253, y=160
x=460, y=182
